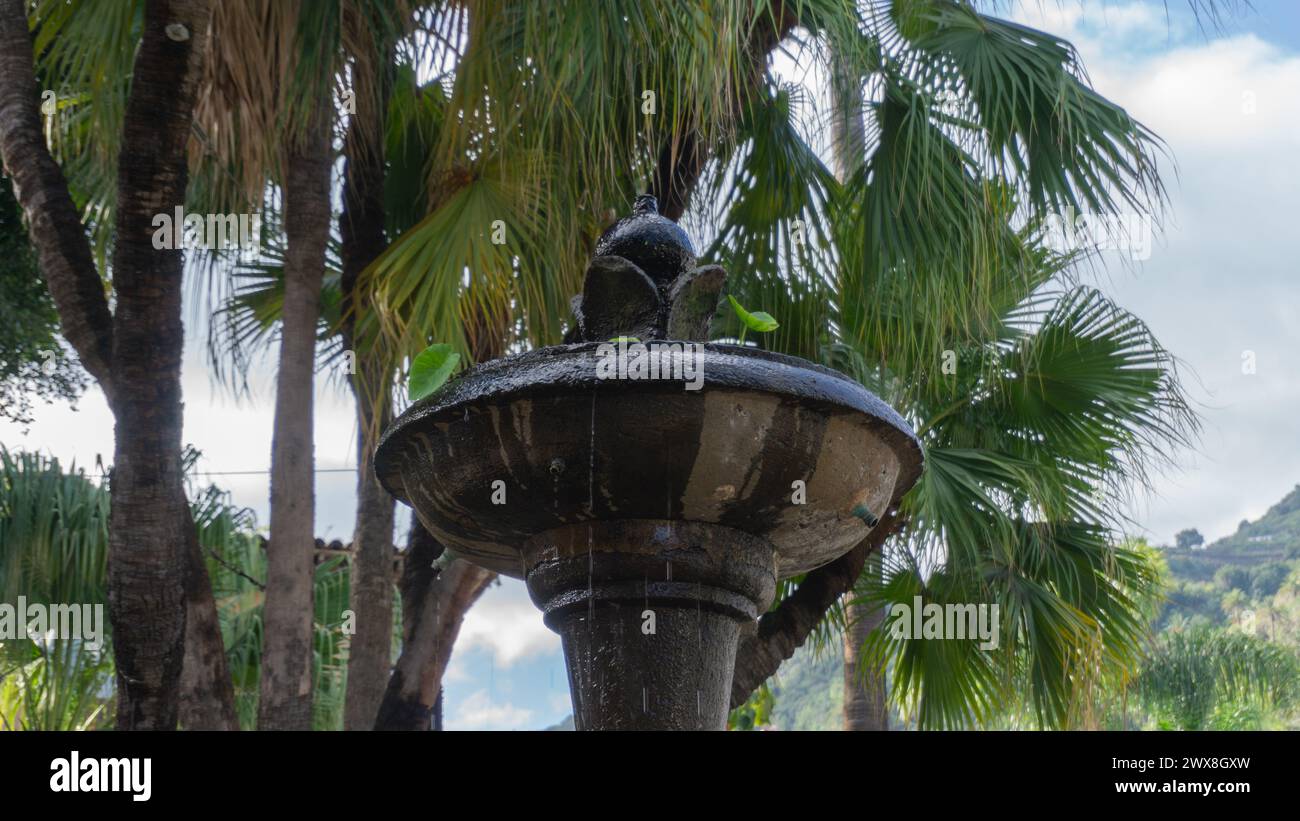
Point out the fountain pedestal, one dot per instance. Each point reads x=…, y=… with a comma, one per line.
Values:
x=646, y=609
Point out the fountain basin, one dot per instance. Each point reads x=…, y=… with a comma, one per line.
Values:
x=568, y=446
x=615, y=498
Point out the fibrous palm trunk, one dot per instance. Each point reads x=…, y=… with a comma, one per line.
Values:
x=435, y=599
x=372, y=584
x=362, y=228
x=434, y=603
x=864, y=685
x=207, y=691
x=155, y=573
x=865, y=706
x=285, y=701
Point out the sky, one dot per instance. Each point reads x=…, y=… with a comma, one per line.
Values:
x=1219, y=284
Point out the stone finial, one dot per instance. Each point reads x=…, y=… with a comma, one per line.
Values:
x=643, y=283
x=653, y=243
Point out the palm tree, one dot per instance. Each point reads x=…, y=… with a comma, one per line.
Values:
x=54, y=549
x=1189, y=673
x=286, y=684
x=362, y=227
x=926, y=277
x=865, y=699
x=286, y=665
x=133, y=351
x=551, y=115
x=932, y=251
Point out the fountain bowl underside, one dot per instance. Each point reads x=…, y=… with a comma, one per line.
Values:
x=770, y=445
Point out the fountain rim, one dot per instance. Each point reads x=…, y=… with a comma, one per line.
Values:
x=567, y=369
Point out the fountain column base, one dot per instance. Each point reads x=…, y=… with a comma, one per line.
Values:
x=650, y=613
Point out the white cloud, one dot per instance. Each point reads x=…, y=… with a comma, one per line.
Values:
x=1079, y=22
x=479, y=712
x=234, y=436
x=508, y=624
x=1222, y=278
x=457, y=671
x=561, y=702
x=1224, y=96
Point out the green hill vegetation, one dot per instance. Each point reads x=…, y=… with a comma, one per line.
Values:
x=808, y=692
x=1237, y=597
x=1250, y=574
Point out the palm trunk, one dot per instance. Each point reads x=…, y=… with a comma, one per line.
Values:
x=362, y=228
x=207, y=691
x=433, y=607
x=682, y=158
x=785, y=628
x=865, y=706
x=864, y=687
x=285, y=701
x=134, y=353
x=150, y=525
x=371, y=647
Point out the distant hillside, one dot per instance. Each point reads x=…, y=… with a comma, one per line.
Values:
x=1274, y=537
x=1256, y=561
x=809, y=690
x=565, y=724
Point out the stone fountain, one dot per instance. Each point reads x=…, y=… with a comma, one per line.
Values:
x=650, y=490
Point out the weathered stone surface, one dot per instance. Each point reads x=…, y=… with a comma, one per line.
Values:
x=655, y=244
x=572, y=446
x=646, y=609
x=693, y=301
x=618, y=299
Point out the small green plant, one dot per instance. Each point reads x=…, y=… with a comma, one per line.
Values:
x=755, y=713
x=760, y=321
x=624, y=339
x=430, y=370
